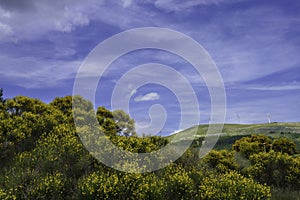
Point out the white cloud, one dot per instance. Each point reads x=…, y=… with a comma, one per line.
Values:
x=148, y=97
x=70, y=20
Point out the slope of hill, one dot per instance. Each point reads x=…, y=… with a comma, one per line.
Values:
x=232, y=132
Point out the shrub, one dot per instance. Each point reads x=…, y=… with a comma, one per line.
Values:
x=232, y=186
x=273, y=168
x=251, y=145
x=222, y=160
x=284, y=145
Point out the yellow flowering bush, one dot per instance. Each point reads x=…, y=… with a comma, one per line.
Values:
x=232, y=185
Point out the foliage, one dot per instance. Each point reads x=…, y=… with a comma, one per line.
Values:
x=124, y=123
x=222, y=160
x=261, y=143
x=230, y=186
x=284, y=145
x=120, y=186
x=42, y=157
x=106, y=121
x=276, y=169
x=251, y=145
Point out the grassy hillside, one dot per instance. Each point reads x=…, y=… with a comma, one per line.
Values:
x=232, y=132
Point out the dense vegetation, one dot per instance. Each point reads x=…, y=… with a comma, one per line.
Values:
x=42, y=157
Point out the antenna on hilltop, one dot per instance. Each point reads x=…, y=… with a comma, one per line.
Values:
x=269, y=118
x=238, y=117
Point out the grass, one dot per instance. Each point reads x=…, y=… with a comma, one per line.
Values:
x=279, y=194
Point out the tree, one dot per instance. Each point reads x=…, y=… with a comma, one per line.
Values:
x=23, y=121
x=125, y=125
x=103, y=114
x=63, y=104
x=106, y=121
x=20, y=104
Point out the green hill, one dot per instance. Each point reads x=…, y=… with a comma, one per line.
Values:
x=232, y=132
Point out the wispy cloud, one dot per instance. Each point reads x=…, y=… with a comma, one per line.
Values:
x=147, y=97
x=177, y=5
x=30, y=72
x=63, y=16
x=287, y=86
x=249, y=40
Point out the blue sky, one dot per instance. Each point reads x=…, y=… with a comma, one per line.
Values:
x=254, y=43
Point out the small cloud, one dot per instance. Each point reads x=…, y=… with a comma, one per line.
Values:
x=148, y=97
